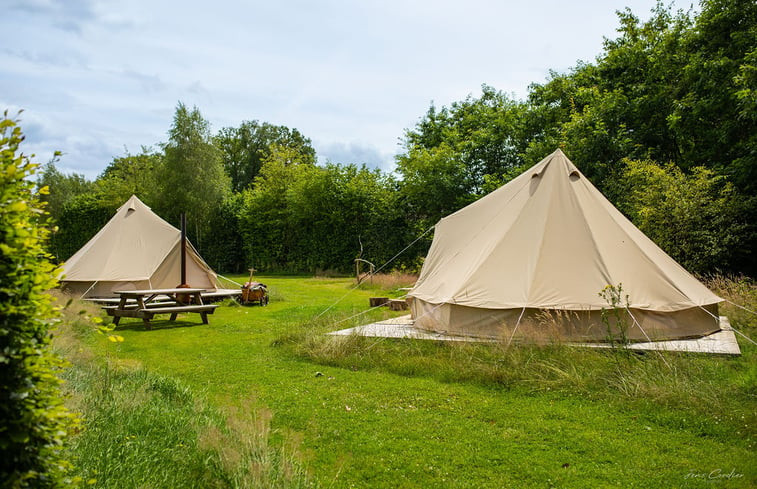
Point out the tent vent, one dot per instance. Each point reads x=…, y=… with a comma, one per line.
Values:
x=540, y=171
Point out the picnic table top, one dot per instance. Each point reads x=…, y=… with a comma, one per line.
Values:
x=158, y=291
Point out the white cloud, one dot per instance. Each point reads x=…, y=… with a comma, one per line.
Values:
x=98, y=75
x=354, y=153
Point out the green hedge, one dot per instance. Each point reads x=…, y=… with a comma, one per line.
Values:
x=33, y=420
x=81, y=219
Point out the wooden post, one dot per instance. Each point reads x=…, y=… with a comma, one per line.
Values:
x=358, y=261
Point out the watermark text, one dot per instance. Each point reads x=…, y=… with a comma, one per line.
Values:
x=713, y=475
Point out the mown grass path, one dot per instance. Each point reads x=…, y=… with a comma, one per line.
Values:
x=373, y=428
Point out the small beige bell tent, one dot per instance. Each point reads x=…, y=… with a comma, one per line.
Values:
x=533, y=256
x=136, y=249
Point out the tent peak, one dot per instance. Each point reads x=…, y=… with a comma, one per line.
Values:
x=561, y=160
x=133, y=204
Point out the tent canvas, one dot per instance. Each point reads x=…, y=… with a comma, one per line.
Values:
x=136, y=249
x=533, y=257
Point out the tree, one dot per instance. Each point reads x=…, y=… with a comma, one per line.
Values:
x=244, y=149
x=265, y=223
x=302, y=217
x=191, y=178
x=455, y=154
x=674, y=88
x=677, y=88
x=33, y=420
x=483, y=133
x=225, y=251
x=62, y=188
x=708, y=116
x=80, y=220
x=435, y=182
x=82, y=207
x=594, y=136
x=130, y=175
x=696, y=217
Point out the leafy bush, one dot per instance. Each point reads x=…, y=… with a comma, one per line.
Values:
x=81, y=219
x=694, y=217
x=222, y=245
x=303, y=217
x=33, y=420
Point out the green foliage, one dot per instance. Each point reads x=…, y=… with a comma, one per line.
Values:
x=223, y=247
x=303, y=217
x=680, y=88
x=79, y=207
x=593, y=135
x=676, y=88
x=694, y=217
x=245, y=148
x=33, y=421
x=81, y=218
x=706, y=119
x=62, y=188
x=191, y=178
x=130, y=175
x=434, y=184
x=454, y=155
x=265, y=219
x=614, y=317
x=481, y=135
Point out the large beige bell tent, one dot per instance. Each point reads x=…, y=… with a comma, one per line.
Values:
x=533, y=256
x=136, y=249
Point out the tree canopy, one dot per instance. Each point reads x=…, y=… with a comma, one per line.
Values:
x=677, y=91
x=131, y=175
x=244, y=149
x=663, y=122
x=62, y=188
x=191, y=175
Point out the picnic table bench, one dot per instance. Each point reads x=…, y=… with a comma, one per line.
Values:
x=140, y=304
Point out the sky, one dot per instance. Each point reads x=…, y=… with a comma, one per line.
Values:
x=99, y=79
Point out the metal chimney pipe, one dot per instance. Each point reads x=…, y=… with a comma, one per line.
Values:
x=183, y=249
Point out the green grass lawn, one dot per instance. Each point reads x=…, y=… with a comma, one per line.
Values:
x=395, y=413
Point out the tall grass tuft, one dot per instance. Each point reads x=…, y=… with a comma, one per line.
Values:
x=388, y=281
x=738, y=291
x=246, y=455
x=141, y=429
x=693, y=383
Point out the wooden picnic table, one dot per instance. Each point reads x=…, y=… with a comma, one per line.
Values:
x=146, y=307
